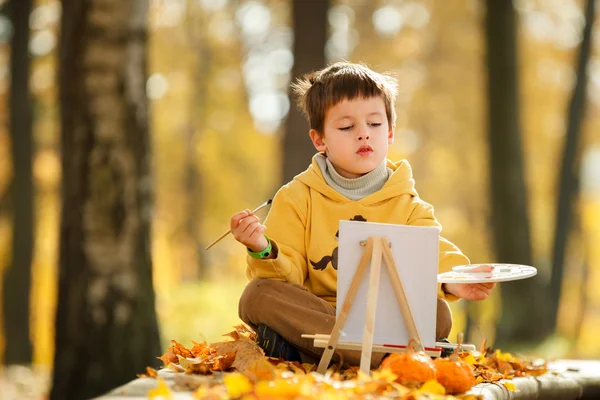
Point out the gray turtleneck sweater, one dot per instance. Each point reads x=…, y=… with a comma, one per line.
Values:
x=357, y=188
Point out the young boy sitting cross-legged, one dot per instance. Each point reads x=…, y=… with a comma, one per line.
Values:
x=292, y=258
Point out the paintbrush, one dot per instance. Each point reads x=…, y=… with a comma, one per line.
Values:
x=257, y=209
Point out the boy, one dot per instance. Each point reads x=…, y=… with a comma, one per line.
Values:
x=292, y=258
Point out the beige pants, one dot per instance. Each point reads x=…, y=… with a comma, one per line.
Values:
x=291, y=310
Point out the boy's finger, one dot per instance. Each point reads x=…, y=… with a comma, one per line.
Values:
x=482, y=268
x=236, y=218
x=246, y=223
x=256, y=231
x=248, y=231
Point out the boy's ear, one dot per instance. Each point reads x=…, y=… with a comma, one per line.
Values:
x=391, y=135
x=317, y=140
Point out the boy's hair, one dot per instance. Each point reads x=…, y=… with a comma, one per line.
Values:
x=318, y=91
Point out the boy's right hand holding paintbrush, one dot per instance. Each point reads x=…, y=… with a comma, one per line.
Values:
x=249, y=231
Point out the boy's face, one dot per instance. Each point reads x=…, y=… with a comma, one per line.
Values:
x=356, y=136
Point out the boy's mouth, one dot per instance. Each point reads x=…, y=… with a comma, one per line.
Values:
x=364, y=150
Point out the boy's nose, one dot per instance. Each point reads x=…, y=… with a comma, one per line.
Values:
x=363, y=133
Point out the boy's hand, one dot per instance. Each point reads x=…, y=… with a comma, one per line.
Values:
x=472, y=291
x=247, y=229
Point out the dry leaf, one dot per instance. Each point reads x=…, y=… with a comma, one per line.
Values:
x=261, y=370
x=224, y=362
x=168, y=357
x=150, y=373
x=200, y=349
x=180, y=350
x=246, y=353
x=200, y=369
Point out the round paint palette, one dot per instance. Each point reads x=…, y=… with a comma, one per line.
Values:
x=500, y=273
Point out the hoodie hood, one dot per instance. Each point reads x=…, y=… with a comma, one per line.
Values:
x=400, y=182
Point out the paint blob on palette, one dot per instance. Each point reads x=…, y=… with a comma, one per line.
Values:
x=499, y=273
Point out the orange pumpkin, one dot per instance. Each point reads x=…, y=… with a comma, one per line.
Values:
x=412, y=367
x=455, y=375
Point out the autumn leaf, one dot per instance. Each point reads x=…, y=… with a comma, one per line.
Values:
x=432, y=387
x=510, y=386
x=498, y=355
x=261, y=370
x=150, y=373
x=160, y=392
x=246, y=353
x=224, y=362
x=180, y=350
x=200, y=349
x=168, y=357
x=199, y=369
x=237, y=384
x=468, y=358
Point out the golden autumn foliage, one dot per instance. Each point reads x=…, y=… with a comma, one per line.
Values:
x=238, y=369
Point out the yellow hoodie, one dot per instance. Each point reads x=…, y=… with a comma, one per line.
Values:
x=304, y=219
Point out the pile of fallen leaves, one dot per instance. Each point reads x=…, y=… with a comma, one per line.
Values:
x=493, y=366
x=238, y=368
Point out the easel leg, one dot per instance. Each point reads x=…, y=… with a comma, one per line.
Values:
x=367, y=345
x=350, y=296
x=409, y=319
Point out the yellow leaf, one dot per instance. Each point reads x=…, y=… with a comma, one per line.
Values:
x=160, y=392
x=385, y=374
x=510, y=386
x=432, y=387
x=500, y=356
x=469, y=359
x=237, y=384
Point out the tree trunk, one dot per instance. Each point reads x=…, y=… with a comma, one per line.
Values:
x=571, y=165
x=510, y=223
x=310, y=36
x=17, y=278
x=198, y=268
x=106, y=328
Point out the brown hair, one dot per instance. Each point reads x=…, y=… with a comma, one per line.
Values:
x=318, y=91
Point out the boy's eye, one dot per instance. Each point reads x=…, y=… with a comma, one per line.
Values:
x=346, y=128
x=375, y=124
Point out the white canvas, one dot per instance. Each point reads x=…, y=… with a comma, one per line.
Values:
x=415, y=250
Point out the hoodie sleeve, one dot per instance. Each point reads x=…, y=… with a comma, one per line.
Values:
x=450, y=256
x=286, y=225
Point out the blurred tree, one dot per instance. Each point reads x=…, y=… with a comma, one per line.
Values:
x=17, y=278
x=571, y=166
x=510, y=221
x=196, y=29
x=310, y=37
x=106, y=328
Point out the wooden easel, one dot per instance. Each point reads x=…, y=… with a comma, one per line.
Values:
x=376, y=249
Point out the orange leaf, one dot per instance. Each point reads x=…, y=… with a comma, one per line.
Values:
x=179, y=349
x=168, y=358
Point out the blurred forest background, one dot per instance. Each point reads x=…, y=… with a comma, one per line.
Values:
x=127, y=142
